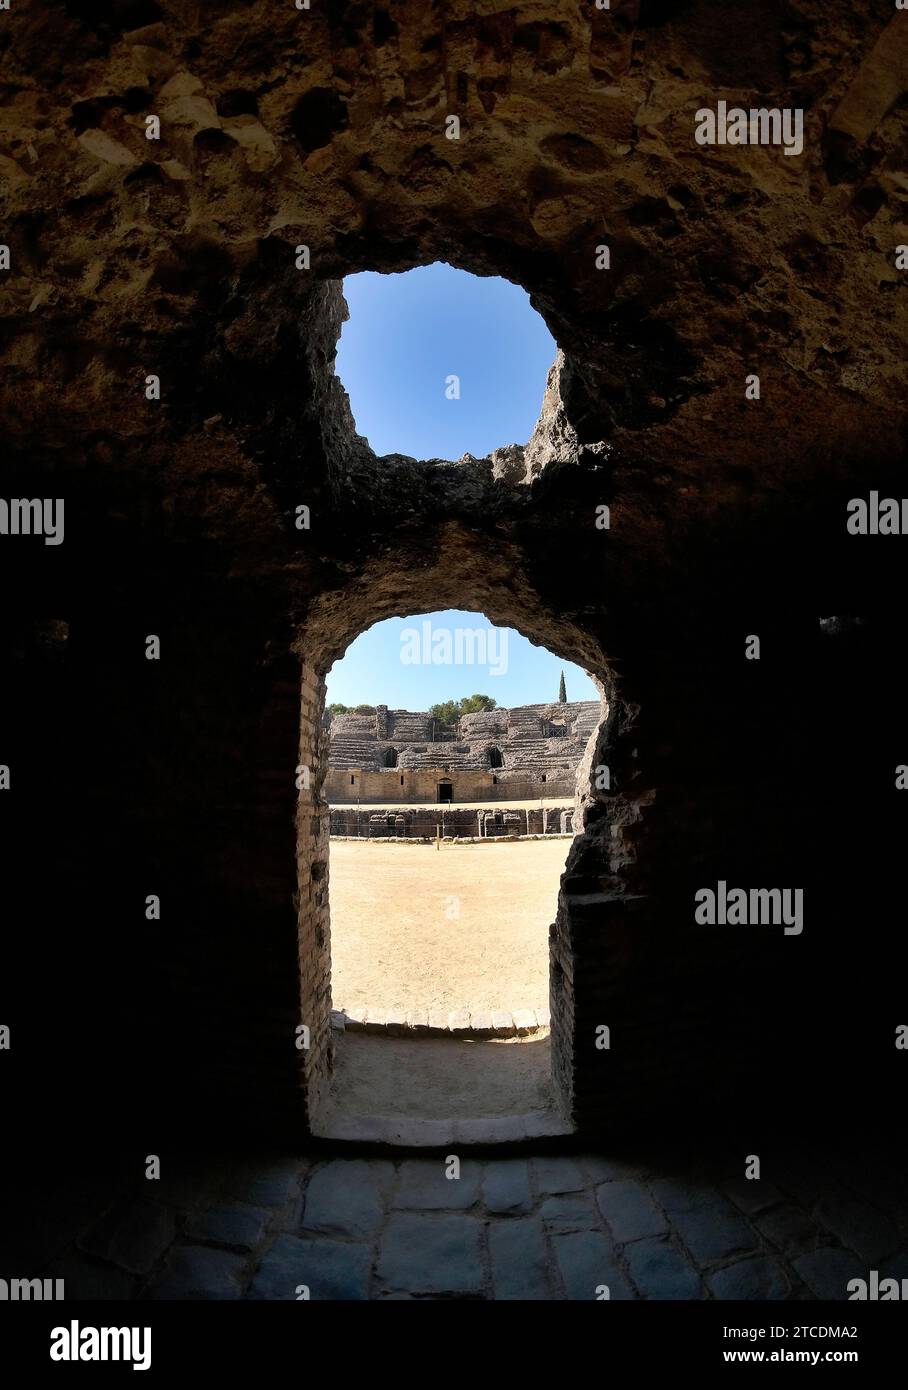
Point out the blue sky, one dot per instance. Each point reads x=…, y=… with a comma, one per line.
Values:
x=373, y=670
x=408, y=333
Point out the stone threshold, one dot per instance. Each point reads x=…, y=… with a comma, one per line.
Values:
x=457, y=1023
x=407, y=1134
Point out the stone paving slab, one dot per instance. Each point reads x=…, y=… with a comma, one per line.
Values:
x=789, y=1229
x=752, y=1196
x=629, y=1212
x=263, y=1184
x=659, y=1271
x=827, y=1272
x=506, y=1186
x=431, y=1254
x=588, y=1264
x=760, y=1278
x=347, y=1197
x=132, y=1235
x=558, y=1174
x=520, y=1264
x=200, y=1273
x=295, y=1269
x=424, y=1184
x=521, y=1227
x=714, y=1233
x=570, y=1211
x=237, y=1227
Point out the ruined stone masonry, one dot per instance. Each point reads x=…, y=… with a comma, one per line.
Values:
x=284, y=131
x=397, y=755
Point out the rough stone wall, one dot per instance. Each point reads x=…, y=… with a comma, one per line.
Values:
x=535, y=761
x=525, y=737
x=346, y=785
x=177, y=258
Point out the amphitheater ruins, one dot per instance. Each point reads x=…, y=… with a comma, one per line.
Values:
x=410, y=764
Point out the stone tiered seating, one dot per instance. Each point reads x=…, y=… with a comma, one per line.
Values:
x=491, y=724
x=587, y=720
x=519, y=735
x=353, y=752
x=406, y=726
x=442, y=755
x=355, y=725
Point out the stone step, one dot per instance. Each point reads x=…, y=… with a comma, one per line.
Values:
x=453, y=1023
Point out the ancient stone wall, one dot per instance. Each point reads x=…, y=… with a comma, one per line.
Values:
x=351, y=785
x=537, y=749
x=178, y=776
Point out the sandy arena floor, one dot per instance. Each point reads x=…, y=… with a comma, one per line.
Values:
x=465, y=926
x=437, y=1079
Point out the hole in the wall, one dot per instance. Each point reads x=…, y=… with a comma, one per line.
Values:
x=405, y=1051
x=320, y=114
x=442, y=364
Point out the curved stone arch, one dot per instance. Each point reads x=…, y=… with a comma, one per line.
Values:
x=391, y=589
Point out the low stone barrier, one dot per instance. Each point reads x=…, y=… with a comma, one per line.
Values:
x=447, y=839
x=455, y=1023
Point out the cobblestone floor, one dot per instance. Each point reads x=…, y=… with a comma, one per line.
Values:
x=543, y=1227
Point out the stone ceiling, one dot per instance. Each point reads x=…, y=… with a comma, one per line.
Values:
x=281, y=127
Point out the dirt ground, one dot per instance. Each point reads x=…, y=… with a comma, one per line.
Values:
x=465, y=926
x=439, y=1079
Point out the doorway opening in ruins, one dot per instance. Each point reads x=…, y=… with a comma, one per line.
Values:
x=442, y=894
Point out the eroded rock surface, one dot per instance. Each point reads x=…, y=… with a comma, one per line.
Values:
x=177, y=258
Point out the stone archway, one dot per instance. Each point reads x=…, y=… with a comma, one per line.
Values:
x=334, y=622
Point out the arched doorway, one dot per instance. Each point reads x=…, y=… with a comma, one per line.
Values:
x=363, y=606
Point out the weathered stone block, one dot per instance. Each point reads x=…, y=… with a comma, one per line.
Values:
x=437, y=1254
x=519, y=1260
x=329, y=1269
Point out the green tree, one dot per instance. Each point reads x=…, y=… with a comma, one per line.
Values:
x=475, y=704
x=449, y=711
x=562, y=691
x=337, y=709
x=364, y=709
x=446, y=713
